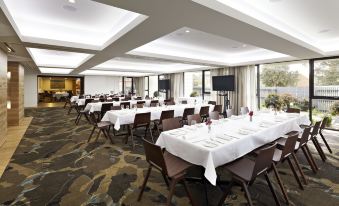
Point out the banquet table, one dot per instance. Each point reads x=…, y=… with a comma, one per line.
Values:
x=58, y=95
x=126, y=116
x=74, y=98
x=227, y=139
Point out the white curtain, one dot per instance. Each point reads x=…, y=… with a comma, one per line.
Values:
x=177, y=85
x=140, y=86
x=245, y=87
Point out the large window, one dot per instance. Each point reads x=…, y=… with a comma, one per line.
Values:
x=153, y=85
x=285, y=83
x=193, y=84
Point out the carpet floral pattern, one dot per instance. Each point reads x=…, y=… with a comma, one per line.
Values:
x=54, y=165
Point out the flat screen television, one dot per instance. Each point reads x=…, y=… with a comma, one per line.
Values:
x=223, y=83
x=164, y=84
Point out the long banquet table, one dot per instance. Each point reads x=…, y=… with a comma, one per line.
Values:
x=96, y=106
x=126, y=116
x=228, y=139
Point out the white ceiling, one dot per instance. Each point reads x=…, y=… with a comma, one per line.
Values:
x=106, y=37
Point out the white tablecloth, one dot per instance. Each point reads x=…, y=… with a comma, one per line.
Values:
x=59, y=95
x=124, y=117
x=189, y=143
x=74, y=98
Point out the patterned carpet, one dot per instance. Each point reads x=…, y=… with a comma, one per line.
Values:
x=54, y=165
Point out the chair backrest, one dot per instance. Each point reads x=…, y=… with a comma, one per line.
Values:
x=204, y=110
x=155, y=101
x=138, y=98
x=141, y=102
x=125, y=104
x=166, y=114
x=92, y=119
x=184, y=102
x=154, y=156
x=214, y=115
x=109, y=100
x=229, y=113
x=289, y=145
x=142, y=119
x=293, y=110
x=304, y=137
x=323, y=123
x=195, y=117
x=170, y=103
x=188, y=111
x=140, y=105
x=153, y=104
x=169, y=124
x=244, y=110
x=315, y=130
x=88, y=101
x=218, y=108
x=116, y=99
x=116, y=108
x=212, y=102
x=105, y=107
x=264, y=160
x=167, y=100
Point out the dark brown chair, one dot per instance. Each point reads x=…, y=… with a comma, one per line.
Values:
x=184, y=102
x=167, y=101
x=104, y=108
x=214, y=115
x=204, y=110
x=141, y=120
x=170, y=103
x=155, y=101
x=212, y=102
x=171, y=167
x=138, y=98
x=153, y=104
x=314, y=134
x=116, y=108
x=293, y=110
x=125, y=105
x=322, y=127
x=169, y=124
x=140, y=105
x=141, y=102
x=67, y=102
x=187, y=111
x=72, y=105
x=115, y=99
x=194, y=117
x=103, y=127
x=166, y=114
x=218, y=108
x=245, y=171
x=82, y=112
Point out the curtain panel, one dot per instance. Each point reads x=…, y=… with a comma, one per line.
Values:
x=245, y=87
x=177, y=85
x=140, y=86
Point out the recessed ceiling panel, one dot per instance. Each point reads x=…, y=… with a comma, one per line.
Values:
x=46, y=70
x=81, y=24
x=145, y=65
x=114, y=73
x=61, y=59
x=190, y=44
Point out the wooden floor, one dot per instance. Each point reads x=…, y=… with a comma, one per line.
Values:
x=12, y=140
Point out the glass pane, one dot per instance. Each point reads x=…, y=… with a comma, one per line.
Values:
x=207, y=81
x=324, y=107
x=193, y=83
x=153, y=86
x=128, y=85
x=285, y=83
x=326, y=78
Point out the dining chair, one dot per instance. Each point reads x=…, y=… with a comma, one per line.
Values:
x=214, y=115
x=218, y=108
x=244, y=172
x=67, y=102
x=171, y=167
x=170, y=103
x=115, y=99
x=152, y=104
x=116, y=108
x=141, y=102
x=322, y=127
x=229, y=113
x=125, y=105
x=155, y=101
x=166, y=101
x=204, y=110
x=72, y=106
x=244, y=110
x=314, y=134
x=82, y=112
x=212, y=102
x=141, y=120
x=104, y=108
x=184, y=102
x=169, y=124
x=194, y=117
x=103, y=127
x=293, y=110
x=140, y=105
x=187, y=111
x=166, y=114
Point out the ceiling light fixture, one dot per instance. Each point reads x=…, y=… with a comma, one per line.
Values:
x=244, y=45
x=71, y=1
x=187, y=31
x=49, y=70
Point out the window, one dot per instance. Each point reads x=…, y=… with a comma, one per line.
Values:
x=193, y=83
x=153, y=85
x=288, y=82
x=146, y=86
x=128, y=84
x=326, y=78
x=326, y=107
x=207, y=85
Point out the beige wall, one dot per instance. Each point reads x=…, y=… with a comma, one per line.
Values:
x=3, y=96
x=15, y=93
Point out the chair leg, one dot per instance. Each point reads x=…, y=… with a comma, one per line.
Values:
x=90, y=136
x=225, y=194
x=188, y=192
x=328, y=146
x=165, y=179
x=77, y=118
x=271, y=188
x=299, y=168
x=144, y=183
x=150, y=131
x=129, y=133
x=320, y=151
x=295, y=173
x=172, y=188
x=106, y=131
x=311, y=157
x=132, y=139
x=281, y=185
x=247, y=193
x=309, y=160
x=70, y=109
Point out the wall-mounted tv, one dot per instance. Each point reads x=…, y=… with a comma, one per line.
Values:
x=223, y=83
x=164, y=84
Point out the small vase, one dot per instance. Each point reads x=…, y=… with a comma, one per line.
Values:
x=250, y=118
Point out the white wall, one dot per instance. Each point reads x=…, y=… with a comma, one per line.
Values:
x=101, y=84
x=31, y=89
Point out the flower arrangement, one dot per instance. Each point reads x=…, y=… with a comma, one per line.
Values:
x=250, y=114
x=208, y=122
